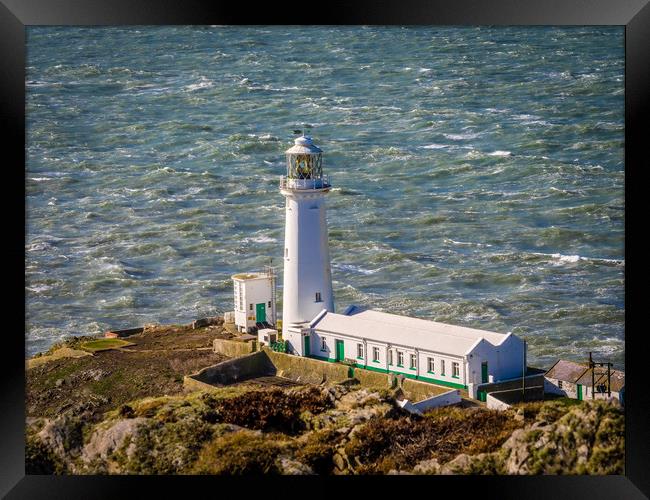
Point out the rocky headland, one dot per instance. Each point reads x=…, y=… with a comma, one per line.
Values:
x=125, y=411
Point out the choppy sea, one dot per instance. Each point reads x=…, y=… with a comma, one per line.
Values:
x=478, y=174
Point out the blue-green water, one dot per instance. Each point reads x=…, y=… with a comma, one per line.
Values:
x=478, y=173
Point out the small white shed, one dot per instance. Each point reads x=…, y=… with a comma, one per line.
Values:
x=254, y=295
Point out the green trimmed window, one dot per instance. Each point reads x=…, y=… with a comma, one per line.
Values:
x=375, y=354
x=359, y=351
x=430, y=365
x=414, y=362
x=455, y=370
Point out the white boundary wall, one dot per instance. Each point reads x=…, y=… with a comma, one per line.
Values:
x=445, y=399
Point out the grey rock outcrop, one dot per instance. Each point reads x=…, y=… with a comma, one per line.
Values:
x=105, y=441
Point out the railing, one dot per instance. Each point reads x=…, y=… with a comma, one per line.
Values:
x=322, y=182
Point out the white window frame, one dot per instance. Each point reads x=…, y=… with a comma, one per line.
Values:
x=323, y=344
x=442, y=367
x=431, y=365
x=390, y=357
x=375, y=354
x=413, y=362
x=455, y=369
x=400, y=358
x=359, y=351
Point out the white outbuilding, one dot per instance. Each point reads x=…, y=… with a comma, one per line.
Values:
x=254, y=300
x=448, y=355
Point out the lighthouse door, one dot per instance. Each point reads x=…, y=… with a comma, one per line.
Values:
x=260, y=313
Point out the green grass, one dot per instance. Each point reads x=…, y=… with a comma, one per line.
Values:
x=104, y=344
x=568, y=402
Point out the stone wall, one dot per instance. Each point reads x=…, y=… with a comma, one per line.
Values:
x=233, y=348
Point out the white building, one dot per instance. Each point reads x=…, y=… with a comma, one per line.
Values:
x=307, y=273
x=453, y=356
x=254, y=300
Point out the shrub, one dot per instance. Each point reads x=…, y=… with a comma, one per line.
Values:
x=274, y=410
x=240, y=453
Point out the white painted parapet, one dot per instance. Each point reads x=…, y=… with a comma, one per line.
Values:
x=495, y=404
x=445, y=399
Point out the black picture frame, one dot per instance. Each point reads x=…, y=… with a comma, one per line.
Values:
x=15, y=15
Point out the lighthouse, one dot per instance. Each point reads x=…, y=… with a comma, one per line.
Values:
x=307, y=274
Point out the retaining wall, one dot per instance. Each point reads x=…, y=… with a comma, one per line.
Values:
x=502, y=400
x=233, y=348
x=234, y=370
x=375, y=379
x=306, y=370
x=246, y=364
x=506, y=385
x=416, y=390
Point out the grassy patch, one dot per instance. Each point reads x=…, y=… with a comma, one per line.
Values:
x=104, y=344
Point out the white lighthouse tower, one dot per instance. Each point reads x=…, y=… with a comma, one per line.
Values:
x=307, y=274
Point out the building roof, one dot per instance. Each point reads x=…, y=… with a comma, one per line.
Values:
x=580, y=373
x=403, y=330
x=567, y=371
x=616, y=378
x=304, y=145
x=249, y=276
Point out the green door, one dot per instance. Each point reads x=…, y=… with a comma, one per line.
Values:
x=579, y=391
x=260, y=313
x=484, y=372
x=307, y=350
x=340, y=350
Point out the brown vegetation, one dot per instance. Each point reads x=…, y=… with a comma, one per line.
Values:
x=400, y=443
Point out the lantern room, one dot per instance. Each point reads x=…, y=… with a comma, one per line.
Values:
x=304, y=166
